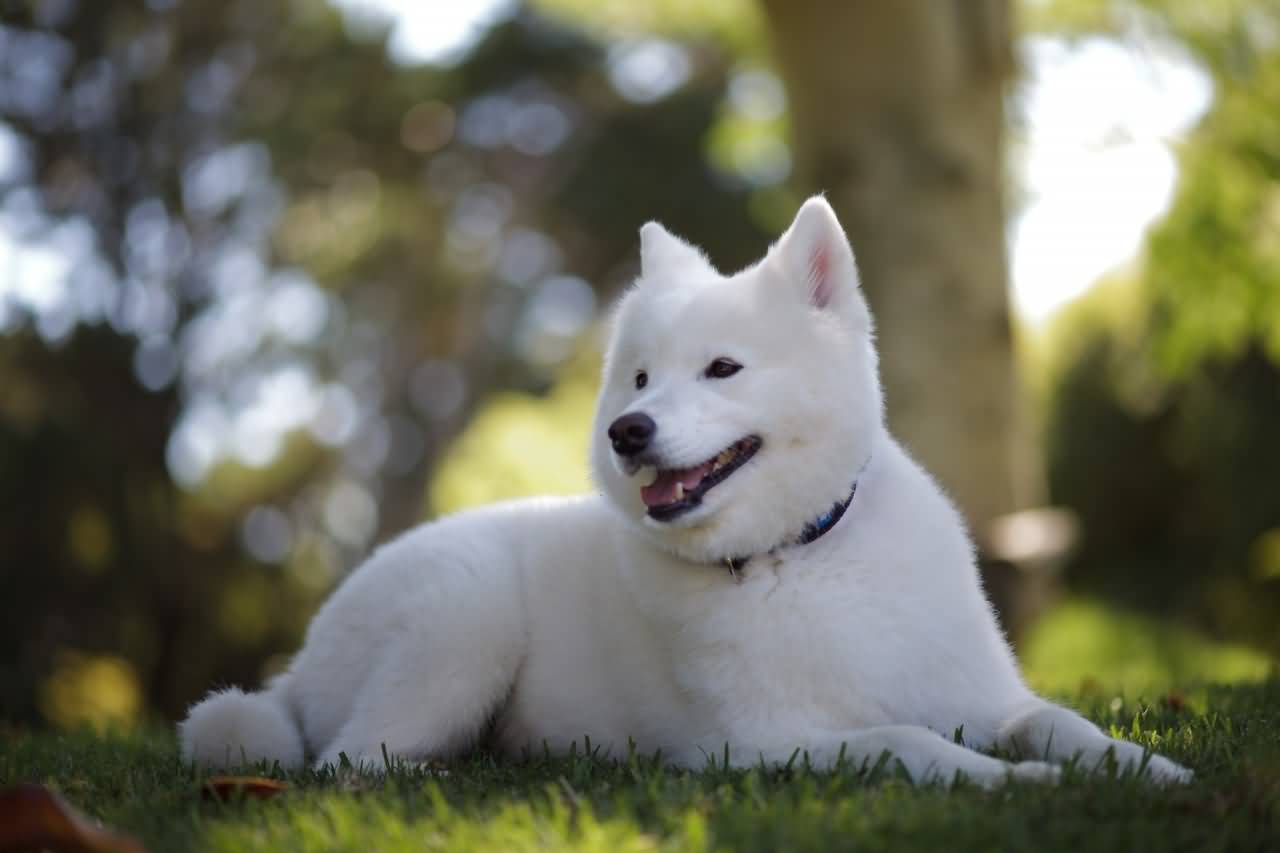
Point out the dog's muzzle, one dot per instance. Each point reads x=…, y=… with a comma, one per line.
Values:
x=632, y=433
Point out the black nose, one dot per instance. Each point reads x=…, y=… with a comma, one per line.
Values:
x=632, y=433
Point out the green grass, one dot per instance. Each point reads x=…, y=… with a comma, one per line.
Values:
x=1229, y=735
x=1084, y=645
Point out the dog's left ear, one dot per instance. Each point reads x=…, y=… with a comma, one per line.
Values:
x=814, y=255
x=664, y=255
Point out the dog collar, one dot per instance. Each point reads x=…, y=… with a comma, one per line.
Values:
x=814, y=530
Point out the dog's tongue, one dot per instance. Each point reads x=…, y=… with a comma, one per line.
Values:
x=663, y=490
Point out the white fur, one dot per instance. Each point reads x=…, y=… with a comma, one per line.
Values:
x=230, y=727
x=555, y=620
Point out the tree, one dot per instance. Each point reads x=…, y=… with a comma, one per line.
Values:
x=896, y=111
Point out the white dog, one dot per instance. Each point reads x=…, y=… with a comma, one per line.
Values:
x=766, y=571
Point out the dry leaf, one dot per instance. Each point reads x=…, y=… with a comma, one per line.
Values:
x=229, y=787
x=34, y=818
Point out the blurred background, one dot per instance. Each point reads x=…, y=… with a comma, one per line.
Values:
x=279, y=278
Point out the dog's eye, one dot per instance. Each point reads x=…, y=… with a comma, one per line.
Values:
x=722, y=368
x=642, y=379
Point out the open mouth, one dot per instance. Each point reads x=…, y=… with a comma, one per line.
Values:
x=676, y=491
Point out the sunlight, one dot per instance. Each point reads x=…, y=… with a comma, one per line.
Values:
x=1096, y=170
x=436, y=32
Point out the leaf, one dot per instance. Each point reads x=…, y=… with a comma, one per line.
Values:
x=34, y=818
x=231, y=787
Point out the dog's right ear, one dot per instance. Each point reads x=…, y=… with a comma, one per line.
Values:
x=816, y=261
x=664, y=255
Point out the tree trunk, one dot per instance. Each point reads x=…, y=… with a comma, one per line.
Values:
x=897, y=115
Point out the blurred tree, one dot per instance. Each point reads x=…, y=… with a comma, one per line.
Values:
x=897, y=114
x=103, y=555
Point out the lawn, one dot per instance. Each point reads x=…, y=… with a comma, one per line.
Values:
x=1230, y=736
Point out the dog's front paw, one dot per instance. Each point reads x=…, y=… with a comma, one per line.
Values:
x=1005, y=773
x=1035, y=771
x=1162, y=771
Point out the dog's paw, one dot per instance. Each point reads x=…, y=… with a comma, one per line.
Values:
x=1162, y=771
x=1035, y=771
x=1006, y=773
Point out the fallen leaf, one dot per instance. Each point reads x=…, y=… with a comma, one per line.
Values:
x=34, y=818
x=229, y=787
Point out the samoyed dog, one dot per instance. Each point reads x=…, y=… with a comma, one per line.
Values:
x=765, y=572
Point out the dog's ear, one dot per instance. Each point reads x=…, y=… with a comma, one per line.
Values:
x=663, y=253
x=815, y=256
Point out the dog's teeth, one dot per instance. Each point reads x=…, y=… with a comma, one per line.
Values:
x=647, y=476
x=679, y=491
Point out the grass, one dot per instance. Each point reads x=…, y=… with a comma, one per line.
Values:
x=1229, y=735
x=1084, y=645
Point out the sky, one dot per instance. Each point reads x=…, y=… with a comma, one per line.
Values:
x=1096, y=167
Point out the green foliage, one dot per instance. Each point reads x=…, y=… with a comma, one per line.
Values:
x=137, y=783
x=1165, y=403
x=737, y=23
x=1214, y=264
x=111, y=577
x=1214, y=26
x=1174, y=480
x=520, y=445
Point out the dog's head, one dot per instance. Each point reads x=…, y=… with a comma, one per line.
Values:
x=737, y=409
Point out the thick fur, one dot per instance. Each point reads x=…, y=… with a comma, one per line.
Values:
x=544, y=622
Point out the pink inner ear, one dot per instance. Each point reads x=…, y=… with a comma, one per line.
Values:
x=820, y=276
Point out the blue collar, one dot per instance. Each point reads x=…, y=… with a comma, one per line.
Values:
x=814, y=530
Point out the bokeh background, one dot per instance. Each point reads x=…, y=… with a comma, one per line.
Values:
x=279, y=278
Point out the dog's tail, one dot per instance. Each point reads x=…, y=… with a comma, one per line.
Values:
x=230, y=727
